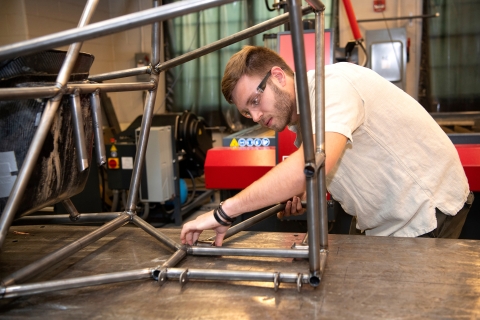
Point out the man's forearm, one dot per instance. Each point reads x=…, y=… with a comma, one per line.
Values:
x=281, y=183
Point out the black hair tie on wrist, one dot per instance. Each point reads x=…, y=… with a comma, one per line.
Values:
x=223, y=223
x=224, y=215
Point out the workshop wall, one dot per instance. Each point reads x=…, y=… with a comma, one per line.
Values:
x=27, y=19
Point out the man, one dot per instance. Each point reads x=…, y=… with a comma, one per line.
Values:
x=387, y=163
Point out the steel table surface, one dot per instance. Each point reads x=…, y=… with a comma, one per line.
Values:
x=365, y=278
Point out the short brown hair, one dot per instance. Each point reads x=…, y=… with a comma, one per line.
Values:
x=250, y=61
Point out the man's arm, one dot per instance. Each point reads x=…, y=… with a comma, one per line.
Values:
x=282, y=182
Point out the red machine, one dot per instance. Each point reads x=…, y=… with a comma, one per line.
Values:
x=470, y=158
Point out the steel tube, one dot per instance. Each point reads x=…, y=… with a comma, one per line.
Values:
x=78, y=131
x=308, y=145
x=49, y=112
x=74, y=48
x=239, y=36
x=423, y=16
x=242, y=35
x=73, y=214
x=28, y=93
x=111, y=87
x=145, y=126
x=251, y=221
x=234, y=275
x=203, y=196
x=49, y=260
x=156, y=37
x=56, y=285
x=139, y=222
x=121, y=74
x=49, y=92
x=224, y=42
x=97, y=124
x=107, y=27
x=320, y=125
x=313, y=225
x=65, y=218
x=175, y=259
x=253, y=252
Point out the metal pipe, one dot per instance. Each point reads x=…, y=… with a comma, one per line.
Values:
x=107, y=27
x=116, y=197
x=121, y=74
x=70, y=207
x=320, y=126
x=66, y=219
x=235, y=275
x=28, y=93
x=253, y=252
x=97, y=124
x=56, y=285
x=148, y=228
x=199, y=199
x=74, y=48
x=111, y=87
x=423, y=16
x=46, y=120
x=305, y=239
x=78, y=131
x=308, y=146
x=156, y=37
x=49, y=260
x=175, y=259
x=252, y=221
x=146, y=124
x=242, y=35
x=247, y=33
x=48, y=92
x=239, y=36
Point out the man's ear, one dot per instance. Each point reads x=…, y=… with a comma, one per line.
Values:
x=279, y=75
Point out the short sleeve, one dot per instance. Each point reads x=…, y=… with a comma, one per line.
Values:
x=344, y=108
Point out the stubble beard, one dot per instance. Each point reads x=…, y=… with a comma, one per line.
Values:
x=283, y=106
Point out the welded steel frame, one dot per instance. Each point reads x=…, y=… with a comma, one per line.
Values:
x=317, y=248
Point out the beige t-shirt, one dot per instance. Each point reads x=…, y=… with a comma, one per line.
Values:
x=398, y=164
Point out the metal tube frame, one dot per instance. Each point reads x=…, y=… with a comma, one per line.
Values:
x=314, y=157
x=78, y=131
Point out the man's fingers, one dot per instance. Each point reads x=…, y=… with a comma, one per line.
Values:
x=298, y=206
x=219, y=239
x=183, y=234
x=288, y=209
x=196, y=235
x=280, y=214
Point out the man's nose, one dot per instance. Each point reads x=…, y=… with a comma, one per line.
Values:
x=256, y=115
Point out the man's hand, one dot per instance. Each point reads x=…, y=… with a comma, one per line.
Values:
x=293, y=207
x=192, y=230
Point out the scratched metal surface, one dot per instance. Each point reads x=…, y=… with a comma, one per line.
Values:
x=365, y=278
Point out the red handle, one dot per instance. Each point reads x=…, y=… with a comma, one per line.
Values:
x=352, y=19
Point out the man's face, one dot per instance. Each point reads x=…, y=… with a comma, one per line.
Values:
x=272, y=108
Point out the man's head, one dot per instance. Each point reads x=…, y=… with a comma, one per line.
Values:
x=260, y=83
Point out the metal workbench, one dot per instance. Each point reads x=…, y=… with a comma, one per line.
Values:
x=365, y=278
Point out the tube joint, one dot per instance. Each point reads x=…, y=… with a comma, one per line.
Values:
x=316, y=5
x=131, y=213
